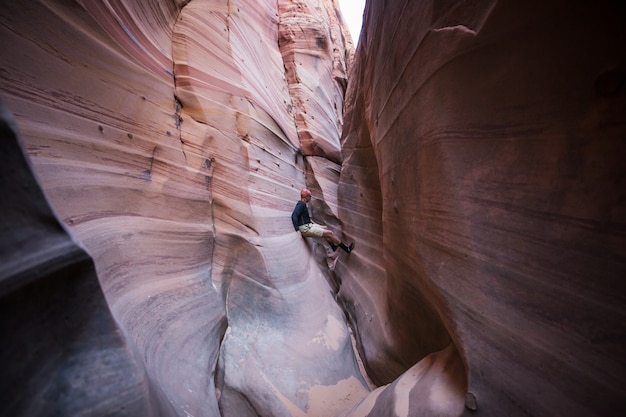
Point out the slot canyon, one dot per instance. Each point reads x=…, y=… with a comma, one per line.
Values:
x=153, y=151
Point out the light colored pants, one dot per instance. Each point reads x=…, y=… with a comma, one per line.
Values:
x=311, y=230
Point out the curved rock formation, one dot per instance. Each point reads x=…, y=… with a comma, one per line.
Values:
x=483, y=178
x=166, y=136
x=477, y=161
x=62, y=353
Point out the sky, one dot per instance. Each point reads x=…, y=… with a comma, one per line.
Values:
x=352, y=11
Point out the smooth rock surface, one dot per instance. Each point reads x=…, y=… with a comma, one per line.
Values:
x=483, y=179
x=476, y=157
x=62, y=352
x=165, y=136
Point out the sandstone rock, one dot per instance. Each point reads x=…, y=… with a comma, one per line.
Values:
x=483, y=178
x=316, y=64
x=432, y=387
x=165, y=136
x=62, y=352
x=480, y=171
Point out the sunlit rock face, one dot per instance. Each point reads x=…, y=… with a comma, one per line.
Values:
x=172, y=138
x=483, y=180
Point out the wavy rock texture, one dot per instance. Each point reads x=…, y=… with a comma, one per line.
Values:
x=483, y=179
x=480, y=172
x=167, y=137
x=62, y=353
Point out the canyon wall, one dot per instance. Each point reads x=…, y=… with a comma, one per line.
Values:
x=484, y=181
x=475, y=155
x=172, y=139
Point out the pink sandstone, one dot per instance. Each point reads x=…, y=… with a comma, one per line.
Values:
x=483, y=178
x=473, y=151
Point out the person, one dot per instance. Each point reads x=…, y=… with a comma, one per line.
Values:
x=302, y=222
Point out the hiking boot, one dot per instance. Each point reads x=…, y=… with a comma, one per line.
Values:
x=348, y=249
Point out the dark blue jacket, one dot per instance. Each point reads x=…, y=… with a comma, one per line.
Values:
x=300, y=215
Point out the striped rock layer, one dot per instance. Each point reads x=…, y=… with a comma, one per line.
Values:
x=153, y=152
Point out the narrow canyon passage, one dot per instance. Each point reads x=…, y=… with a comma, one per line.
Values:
x=153, y=152
x=286, y=349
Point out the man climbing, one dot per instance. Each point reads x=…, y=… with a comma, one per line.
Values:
x=302, y=222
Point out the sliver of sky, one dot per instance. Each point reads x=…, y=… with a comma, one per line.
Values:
x=352, y=12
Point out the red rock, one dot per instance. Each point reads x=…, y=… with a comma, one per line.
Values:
x=483, y=181
x=477, y=163
x=165, y=136
x=62, y=352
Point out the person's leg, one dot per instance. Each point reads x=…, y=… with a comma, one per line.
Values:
x=317, y=230
x=335, y=242
x=330, y=237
